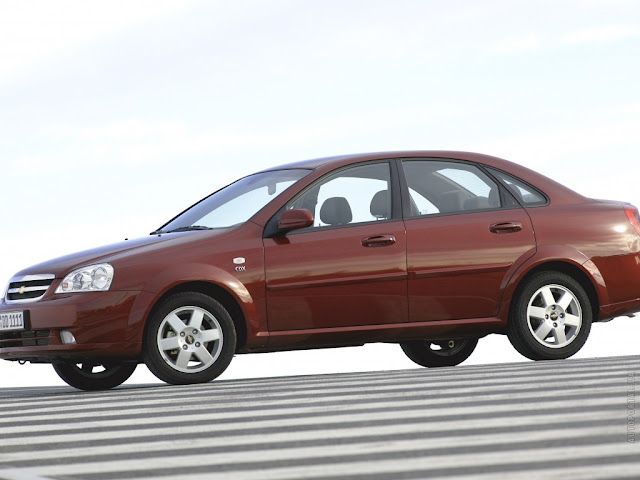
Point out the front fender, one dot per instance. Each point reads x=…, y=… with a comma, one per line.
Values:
x=173, y=276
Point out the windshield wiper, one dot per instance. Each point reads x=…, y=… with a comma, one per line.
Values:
x=181, y=229
x=189, y=228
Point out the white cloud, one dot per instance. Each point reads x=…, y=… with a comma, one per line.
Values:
x=529, y=43
x=555, y=143
x=603, y=34
x=136, y=142
x=534, y=43
x=33, y=31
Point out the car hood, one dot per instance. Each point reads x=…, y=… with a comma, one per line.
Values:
x=63, y=265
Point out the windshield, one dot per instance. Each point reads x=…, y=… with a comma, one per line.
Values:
x=235, y=203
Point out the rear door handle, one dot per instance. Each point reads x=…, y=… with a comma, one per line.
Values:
x=505, y=227
x=378, y=241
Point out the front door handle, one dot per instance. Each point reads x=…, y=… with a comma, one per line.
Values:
x=378, y=241
x=505, y=227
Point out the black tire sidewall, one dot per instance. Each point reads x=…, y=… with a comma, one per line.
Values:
x=518, y=329
x=420, y=352
x=114, y=375
x=153, y=358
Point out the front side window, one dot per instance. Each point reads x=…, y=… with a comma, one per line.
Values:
x=352, y=195
x=235, y=203
x=441, y=187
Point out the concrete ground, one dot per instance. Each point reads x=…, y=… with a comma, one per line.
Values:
x=564, y=419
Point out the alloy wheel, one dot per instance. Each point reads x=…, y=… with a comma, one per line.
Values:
x=554, y=316
x=190, y=339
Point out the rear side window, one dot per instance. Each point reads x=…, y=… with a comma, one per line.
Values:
x=527, y=195
x=439, y=187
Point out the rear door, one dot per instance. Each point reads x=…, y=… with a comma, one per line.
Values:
x=464, y=235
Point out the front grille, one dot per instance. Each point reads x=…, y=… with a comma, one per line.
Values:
x=28, y=288
x=24, y=339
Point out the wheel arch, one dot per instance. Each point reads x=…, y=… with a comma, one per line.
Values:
x=572, y=270
x=218, y=293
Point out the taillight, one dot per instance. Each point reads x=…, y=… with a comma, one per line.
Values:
x=633, y=216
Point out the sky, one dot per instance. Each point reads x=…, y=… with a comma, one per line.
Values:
x=115, y=116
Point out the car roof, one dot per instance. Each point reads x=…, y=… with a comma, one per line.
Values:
x=557, y=192
x=341, y=160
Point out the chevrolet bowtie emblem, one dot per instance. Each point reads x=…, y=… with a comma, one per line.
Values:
x=22, y=289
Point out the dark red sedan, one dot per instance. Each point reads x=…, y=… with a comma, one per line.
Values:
x=431, y=250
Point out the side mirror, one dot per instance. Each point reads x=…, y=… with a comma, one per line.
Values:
x=295, y=219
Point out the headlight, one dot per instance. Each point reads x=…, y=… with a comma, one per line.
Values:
x=92, y=278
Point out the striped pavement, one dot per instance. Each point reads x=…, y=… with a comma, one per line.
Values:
x=553, y=420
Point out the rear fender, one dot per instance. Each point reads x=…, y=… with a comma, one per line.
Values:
x=548, y=254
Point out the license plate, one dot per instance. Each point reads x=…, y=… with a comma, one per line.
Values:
x=11, y=321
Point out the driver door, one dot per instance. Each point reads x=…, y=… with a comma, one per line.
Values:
x=349, y=268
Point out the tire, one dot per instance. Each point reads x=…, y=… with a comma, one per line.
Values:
x=440, y=353
x=88, y=375
x=190, y=338
x=550, y=318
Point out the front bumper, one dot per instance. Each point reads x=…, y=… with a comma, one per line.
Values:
x=104, y=324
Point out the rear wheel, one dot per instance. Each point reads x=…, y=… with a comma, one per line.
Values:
x=190, y=338
x=92, y=375
x=551, y=317
x=440, y=353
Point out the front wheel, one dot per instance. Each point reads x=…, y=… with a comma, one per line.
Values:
x=440, y=353
x=190, y=338
x=551, y=317
x=93, y=375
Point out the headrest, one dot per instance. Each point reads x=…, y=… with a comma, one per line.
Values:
x=450, y=202
x=380, y=205
x=336, y=211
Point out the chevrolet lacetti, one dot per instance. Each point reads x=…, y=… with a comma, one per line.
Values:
x=431, y=250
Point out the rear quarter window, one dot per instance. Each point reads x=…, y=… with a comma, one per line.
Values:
x=527, y=195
